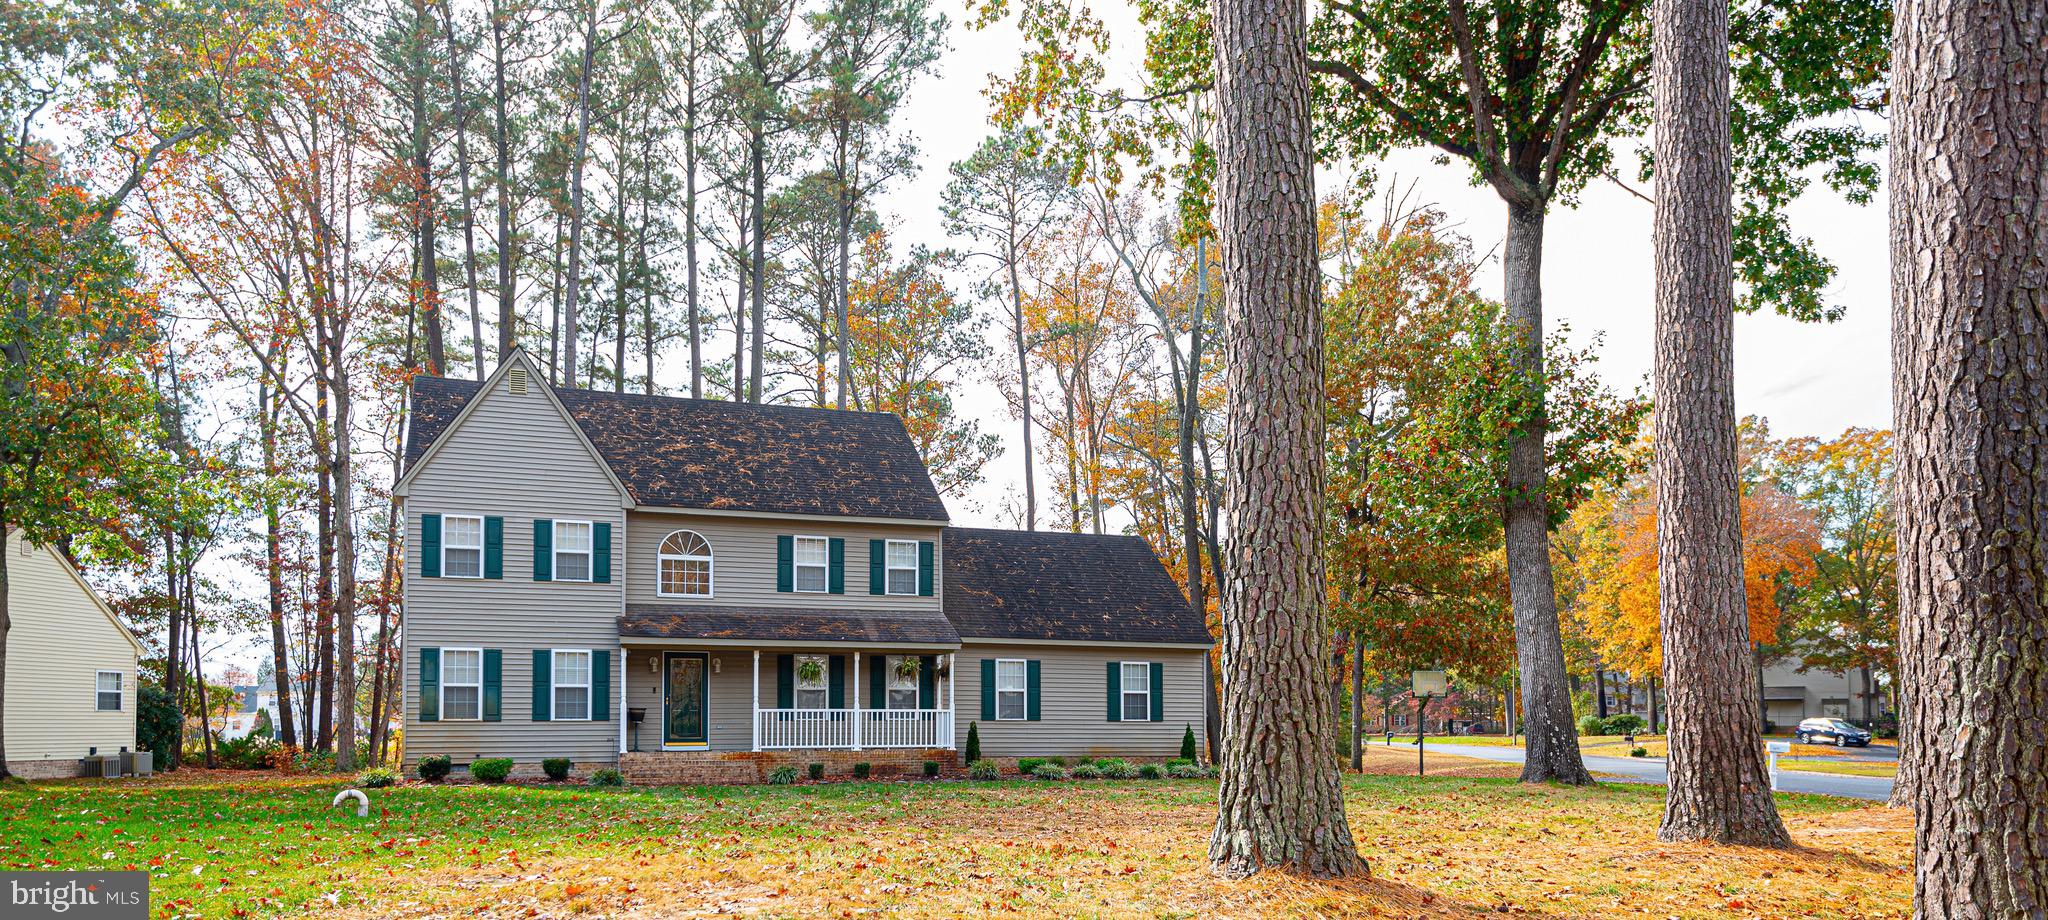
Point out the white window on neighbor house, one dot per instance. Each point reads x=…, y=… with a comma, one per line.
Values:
x=572, y=550
x=1137, y=690
x=107, y=691
x=902, y=563
x=813, y=687
x=571, y=685
x=462, y=684
x=684, y=565
x=1010, y=692
x=903, y=679
x=462, y=546
x=813, y=556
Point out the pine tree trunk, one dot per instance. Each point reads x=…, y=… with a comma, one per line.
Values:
x=1011, y=255
x=425, y=204
x=1281, y=804
x=502, y=142
x=273, y=564
x=758, y=287
x=576, y=221
x=1718, y=788
x=1358, y=706
x=1969, y=222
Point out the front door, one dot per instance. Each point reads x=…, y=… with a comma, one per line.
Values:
x=683, y=698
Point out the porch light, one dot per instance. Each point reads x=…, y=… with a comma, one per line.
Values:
x=653, y=665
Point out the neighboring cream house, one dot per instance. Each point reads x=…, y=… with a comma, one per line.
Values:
x=70, y=667
x=1791, y=696
x=697, y=591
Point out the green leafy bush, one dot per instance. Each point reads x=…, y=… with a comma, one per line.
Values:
x=434, y=769
x=376, y=778
x=816, y=771
x=931, y=768
x=1116, y=768
x=249, y=752
x=1639, y=751
x=156, y=723
x=607, y=778
x=1187, y=744
x=1592, y=725
x=1627, y=723
x=862, y=769
x=490, y=769
x=782, y=776
x=1051, y=771
x=1151, y=771
x=984, y=770
x=313, y=762
x=557, y=768
x=1030, y=765
x=1087, y=771
x=1177, y=762
x=973, y=741
x=1184, y=771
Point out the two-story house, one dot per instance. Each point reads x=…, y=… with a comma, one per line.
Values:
x=695, y=590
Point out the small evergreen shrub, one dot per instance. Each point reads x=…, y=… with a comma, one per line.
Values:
x=376, y=778
x=1087, y=771
x=973, y=741
x=491, y=769
x=862, y=769
x=931, y=768
x=607, y=778
x=435, y=769
x=1177, y=762
x=1116, y=768
x=984, y=770
x=782, y=776
x=1057, y=761
x=1150, y=771
x=1591, y=725
x=1187, y=744
x=816, y=771
x=1627, y=723
x=557, y=768
x=1051, y=771
x=1030, y=765
x=1639, y=751
x=1184, y=771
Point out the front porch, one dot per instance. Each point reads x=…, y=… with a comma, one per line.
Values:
x=720, y=699
x=728, y=768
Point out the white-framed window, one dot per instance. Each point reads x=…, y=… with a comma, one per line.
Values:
x=813, y=560
x=462, y=546
x=1137, y=690
x=684, y=565
x=462, y=684
x=901, y=577
x=902, y=686
x=813, y=682
x=106, y=695
x=572, y=550
x=571, y=685
x=1010, y=689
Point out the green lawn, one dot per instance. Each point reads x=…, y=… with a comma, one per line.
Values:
x=233, y=846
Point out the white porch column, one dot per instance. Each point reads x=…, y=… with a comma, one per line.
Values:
x=953, y=700
x=623, y=697
x=856, y=701
x=754, y=717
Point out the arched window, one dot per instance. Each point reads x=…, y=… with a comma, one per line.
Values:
x=685, y=565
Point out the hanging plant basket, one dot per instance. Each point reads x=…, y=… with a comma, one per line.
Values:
x=909, y=666
x=810, y=670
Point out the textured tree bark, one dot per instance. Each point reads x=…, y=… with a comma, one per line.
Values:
x=1719, y=790
x=1969, y=223
x=1553, y=745
x=1280, y=804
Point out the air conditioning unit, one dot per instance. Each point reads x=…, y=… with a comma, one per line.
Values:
x=138, y=763
x=95, y=766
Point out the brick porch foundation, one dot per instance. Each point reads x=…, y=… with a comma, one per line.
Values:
x=726, y=768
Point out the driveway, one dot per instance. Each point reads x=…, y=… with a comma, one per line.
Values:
x=1651, y=770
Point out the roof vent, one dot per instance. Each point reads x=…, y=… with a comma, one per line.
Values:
x=515, y=379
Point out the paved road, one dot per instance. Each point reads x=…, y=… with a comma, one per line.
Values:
x=1651, y=770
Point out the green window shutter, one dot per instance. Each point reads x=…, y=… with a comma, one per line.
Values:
x=601, y=552
x=928, y=682
x=1116, y=691
x=836, y=566
x=494, y=547
x=878, y=683
x=543, y=550
x=1031, y=690
x=924, y=567
x=836, y=682
x=430, y=546
x=430, y=685
x=785, y=681
x=1158, y=692
x=785, y=564
x=494, y=680
x=543, y=676
x=988, y=689
x=878, y=556
x=601, y=686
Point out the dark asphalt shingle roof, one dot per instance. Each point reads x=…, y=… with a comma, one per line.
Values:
x=1007, y=584
x=700, y=453
x=696, y=621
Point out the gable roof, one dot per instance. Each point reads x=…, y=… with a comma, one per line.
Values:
x=1063, y=587
x=14, y=538
x=724, y=456
x=790, y=624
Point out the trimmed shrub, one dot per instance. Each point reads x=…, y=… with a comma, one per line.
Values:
x=1177, y=762
x=1639, y=751
x=1627, y=723
x=1051, y=771
x=1114, y=768
x=973, y=741
x=1030, y=765
x=862, y=770
x=984, y=770
x=607, y=778
x=931, y=768
x=557, y=768
x=249, y=752
x=157, y=724
x=1184, y=771
x=782, y=776
x=313, y=762
x=1150, y=771
x=376, y=778
x=1087, y=771
x=491, y=769
x=1057, y=761
x=1592, y=725
x=435, y=769
x=1187, y=744
x=816, y=771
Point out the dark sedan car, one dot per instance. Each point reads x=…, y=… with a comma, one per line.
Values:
x=1833, y=731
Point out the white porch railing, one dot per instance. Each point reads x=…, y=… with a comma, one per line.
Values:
x=853, y=729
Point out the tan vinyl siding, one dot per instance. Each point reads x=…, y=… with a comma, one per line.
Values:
x=516, y=457
x=1073, y=703
x=743, y=561
x=59, y=641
